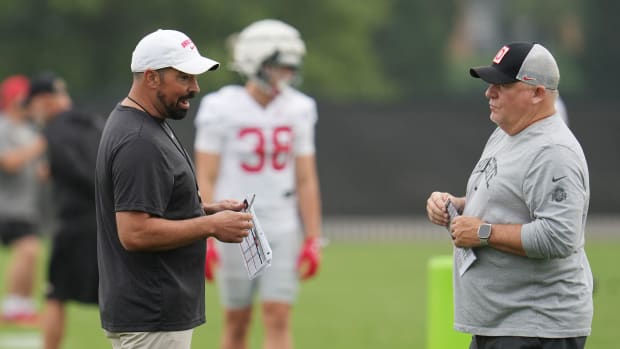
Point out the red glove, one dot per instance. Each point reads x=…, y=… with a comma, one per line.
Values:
x=212, y=260
x=309, y=258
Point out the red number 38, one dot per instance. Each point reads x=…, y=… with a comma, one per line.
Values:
x=281, y=139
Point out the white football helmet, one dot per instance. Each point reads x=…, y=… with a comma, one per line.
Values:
x=267, y=41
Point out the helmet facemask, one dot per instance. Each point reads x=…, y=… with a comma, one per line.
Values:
x=276, y=75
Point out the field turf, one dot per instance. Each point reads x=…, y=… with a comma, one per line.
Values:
x=368, y=295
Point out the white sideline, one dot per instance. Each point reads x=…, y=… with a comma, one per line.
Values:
x=20, y=340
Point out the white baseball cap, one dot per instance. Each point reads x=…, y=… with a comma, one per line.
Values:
x=166, y=48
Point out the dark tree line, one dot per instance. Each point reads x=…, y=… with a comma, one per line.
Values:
x=376, y=50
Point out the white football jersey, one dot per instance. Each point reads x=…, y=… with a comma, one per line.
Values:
x=257, y=148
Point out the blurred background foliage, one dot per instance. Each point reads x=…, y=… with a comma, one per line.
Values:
x=399, y=114
x=373, y=51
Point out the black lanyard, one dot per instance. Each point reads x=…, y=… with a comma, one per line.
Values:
x=175, y=140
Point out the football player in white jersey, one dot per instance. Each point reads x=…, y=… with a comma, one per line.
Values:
x=259, y=139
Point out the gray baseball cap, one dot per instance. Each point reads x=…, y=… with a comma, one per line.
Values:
x=528, y=62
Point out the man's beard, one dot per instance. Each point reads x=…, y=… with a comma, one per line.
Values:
x=172, y=110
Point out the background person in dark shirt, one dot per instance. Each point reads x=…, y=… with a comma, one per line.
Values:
x=72, y=137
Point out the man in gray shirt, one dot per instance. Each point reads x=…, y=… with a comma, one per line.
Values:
x=21, y=172
x=524, y=215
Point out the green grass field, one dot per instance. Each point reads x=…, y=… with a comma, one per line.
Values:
x=368, y=295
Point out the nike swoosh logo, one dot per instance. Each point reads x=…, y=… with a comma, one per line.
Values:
x=557, y=179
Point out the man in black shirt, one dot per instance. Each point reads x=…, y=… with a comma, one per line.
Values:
x=72, y=140
x=151, y=223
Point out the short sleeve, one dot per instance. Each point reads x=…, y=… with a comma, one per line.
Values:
x=209, y=128
x=304, y=130
x=142, y=178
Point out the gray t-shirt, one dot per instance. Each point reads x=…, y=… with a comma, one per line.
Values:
x=538, y=178
x=18, y=190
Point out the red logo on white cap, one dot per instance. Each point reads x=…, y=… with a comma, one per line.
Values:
x=500, y=54
x=189, y=43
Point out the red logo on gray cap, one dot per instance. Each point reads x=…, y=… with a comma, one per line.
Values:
x=500, y=54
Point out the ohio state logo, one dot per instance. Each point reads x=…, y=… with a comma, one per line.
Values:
x=500, y=54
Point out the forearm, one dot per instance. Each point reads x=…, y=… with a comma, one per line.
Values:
x=139, y=231
x=309, y=196
x=310, y=210
x=504, y=237
x=14, y=160
x=507, y=238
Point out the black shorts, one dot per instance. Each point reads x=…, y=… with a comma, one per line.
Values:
x=72, y=271
x=13, y=229
x=485, y=342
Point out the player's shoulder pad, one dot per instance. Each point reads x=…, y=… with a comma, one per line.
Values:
x=300, y=98
x=303, y=105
